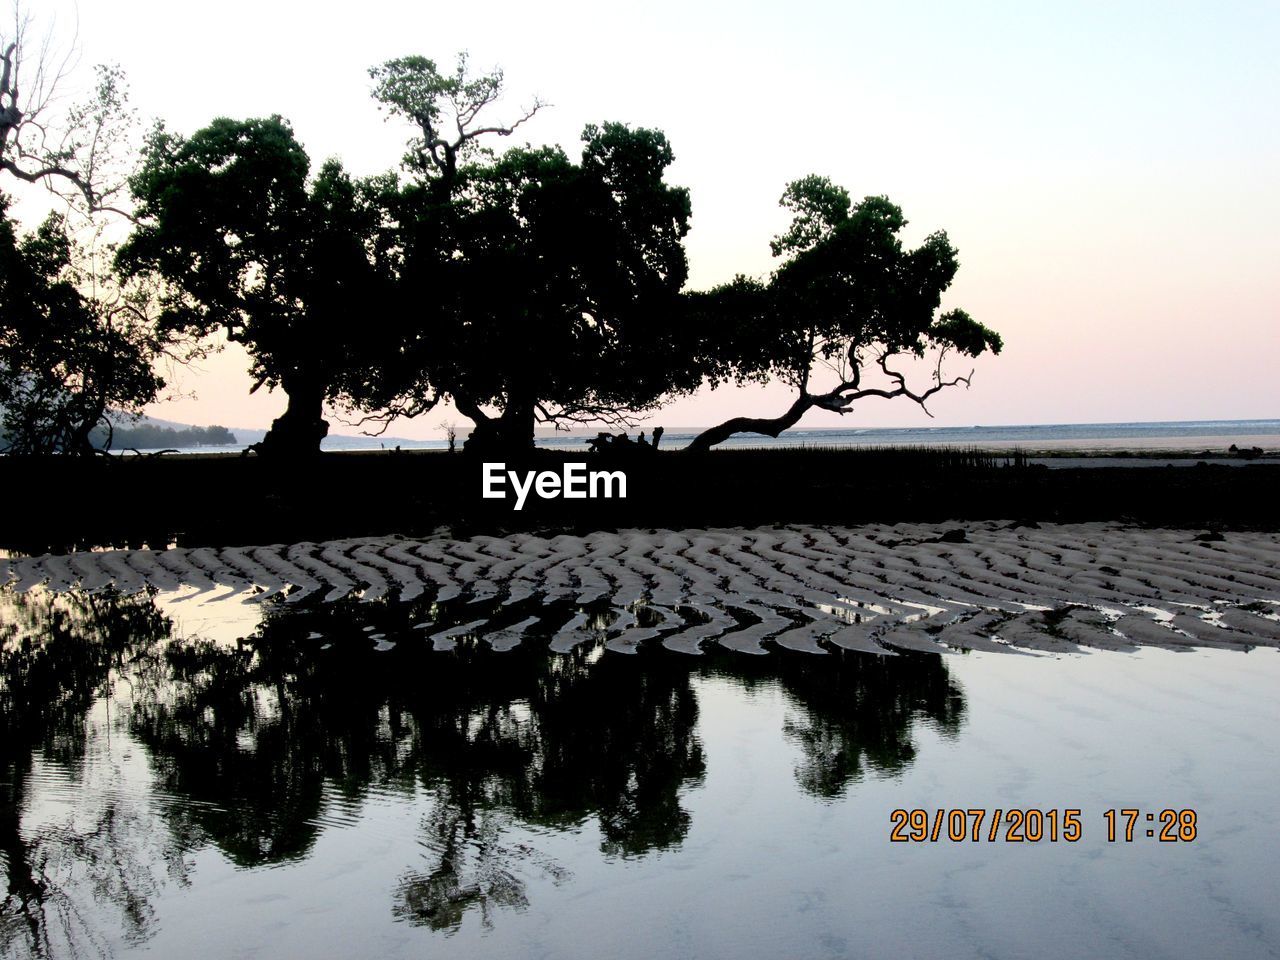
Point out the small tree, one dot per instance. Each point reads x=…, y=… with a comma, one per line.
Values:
x=450, y=434
x=848, y=298
x=248, y=246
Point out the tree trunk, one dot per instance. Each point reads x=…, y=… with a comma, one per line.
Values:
x=483, y=435
x=518, y=419
x=508, y=433
x=79, y=441
x=771, y=428
x=298, y=431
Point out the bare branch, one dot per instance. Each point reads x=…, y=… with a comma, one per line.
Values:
x=508, y=130
x=402, y=408
x=74, y=153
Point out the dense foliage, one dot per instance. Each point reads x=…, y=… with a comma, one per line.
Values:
x=249, y=246
x=559, y=281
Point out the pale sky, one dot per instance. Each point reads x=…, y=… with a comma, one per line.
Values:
x=1108, y=171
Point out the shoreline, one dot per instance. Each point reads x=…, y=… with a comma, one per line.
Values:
x=1189, y=447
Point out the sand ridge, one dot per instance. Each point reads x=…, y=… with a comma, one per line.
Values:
x=991, y=586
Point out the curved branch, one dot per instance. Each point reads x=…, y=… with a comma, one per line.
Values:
x=395, y=410
x=504, y=131
x=770, y=428
x=840, y=400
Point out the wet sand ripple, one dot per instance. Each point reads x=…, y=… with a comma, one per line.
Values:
x=989, y=586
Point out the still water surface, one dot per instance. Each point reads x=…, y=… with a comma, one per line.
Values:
x=171, y=790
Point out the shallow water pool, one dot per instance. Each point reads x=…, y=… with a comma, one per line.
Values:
x=272, y=790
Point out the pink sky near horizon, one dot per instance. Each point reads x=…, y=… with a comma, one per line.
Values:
x=1108, y=178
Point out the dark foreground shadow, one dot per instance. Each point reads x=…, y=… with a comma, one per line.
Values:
x=198, y=501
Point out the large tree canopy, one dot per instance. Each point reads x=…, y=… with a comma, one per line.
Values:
x=567, y=274
x=531, y=288
x=250, y=247
x=848, y=299
x=448, y=113
x=550, y=288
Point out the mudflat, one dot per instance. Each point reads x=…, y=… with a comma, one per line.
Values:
x=877, y=588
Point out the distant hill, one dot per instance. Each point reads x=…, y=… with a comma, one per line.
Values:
x=155, y=433
x=148, y=434
x=244, y=435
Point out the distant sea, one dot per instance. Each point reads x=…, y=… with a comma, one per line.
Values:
x=1191, y=435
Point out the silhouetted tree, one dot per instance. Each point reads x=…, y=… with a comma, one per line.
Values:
x=533, y=288
x=850, y=297
x=449, y=115
x=67, y=356
x=566, y=277
x=249, y=247
x=550, y=287
x=445, y=110
x=71, y=346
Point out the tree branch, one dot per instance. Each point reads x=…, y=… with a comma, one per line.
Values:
x=770, y=428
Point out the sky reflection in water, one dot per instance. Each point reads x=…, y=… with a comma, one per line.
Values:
x=298, y=794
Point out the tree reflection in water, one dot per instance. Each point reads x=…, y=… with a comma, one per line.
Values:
x=252, y=744
x=851, y=714
x=60, y=656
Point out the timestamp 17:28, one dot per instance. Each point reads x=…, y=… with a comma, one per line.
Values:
x=1031, y=825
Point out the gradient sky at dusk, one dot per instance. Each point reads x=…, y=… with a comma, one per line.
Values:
x=1108, y=171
